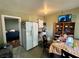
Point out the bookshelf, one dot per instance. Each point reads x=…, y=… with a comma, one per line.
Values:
x=64, y=27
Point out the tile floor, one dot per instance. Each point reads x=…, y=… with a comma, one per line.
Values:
x=20, y=52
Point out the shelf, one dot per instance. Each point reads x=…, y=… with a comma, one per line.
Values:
x=57, y=35
x=64, y=27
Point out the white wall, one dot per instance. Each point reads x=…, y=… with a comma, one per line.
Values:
x=77, y=27
x=52, y=19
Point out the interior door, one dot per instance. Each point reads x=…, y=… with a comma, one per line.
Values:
x=28, y=35
x=35, y=34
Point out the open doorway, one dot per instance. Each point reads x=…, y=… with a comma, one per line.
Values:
x=11, y=26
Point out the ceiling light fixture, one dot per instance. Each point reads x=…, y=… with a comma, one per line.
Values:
x=45, y=9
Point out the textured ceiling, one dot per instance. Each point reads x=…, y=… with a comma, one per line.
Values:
x=37, y=6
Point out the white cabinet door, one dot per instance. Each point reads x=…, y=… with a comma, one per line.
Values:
x=35, y=34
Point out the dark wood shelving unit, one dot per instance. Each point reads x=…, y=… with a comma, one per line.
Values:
x=64, y=27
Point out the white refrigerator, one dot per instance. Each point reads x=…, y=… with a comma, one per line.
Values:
x=29, y=35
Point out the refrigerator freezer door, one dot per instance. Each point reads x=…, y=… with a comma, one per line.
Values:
x=29, y=35
x=28, y=40
x=28, y=26
x=35, y=34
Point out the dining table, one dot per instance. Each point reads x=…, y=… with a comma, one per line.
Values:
x=57, y=47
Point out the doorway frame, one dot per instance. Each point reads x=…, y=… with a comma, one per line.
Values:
x=4, y=30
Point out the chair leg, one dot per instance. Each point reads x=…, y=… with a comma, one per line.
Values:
x=43, y=51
